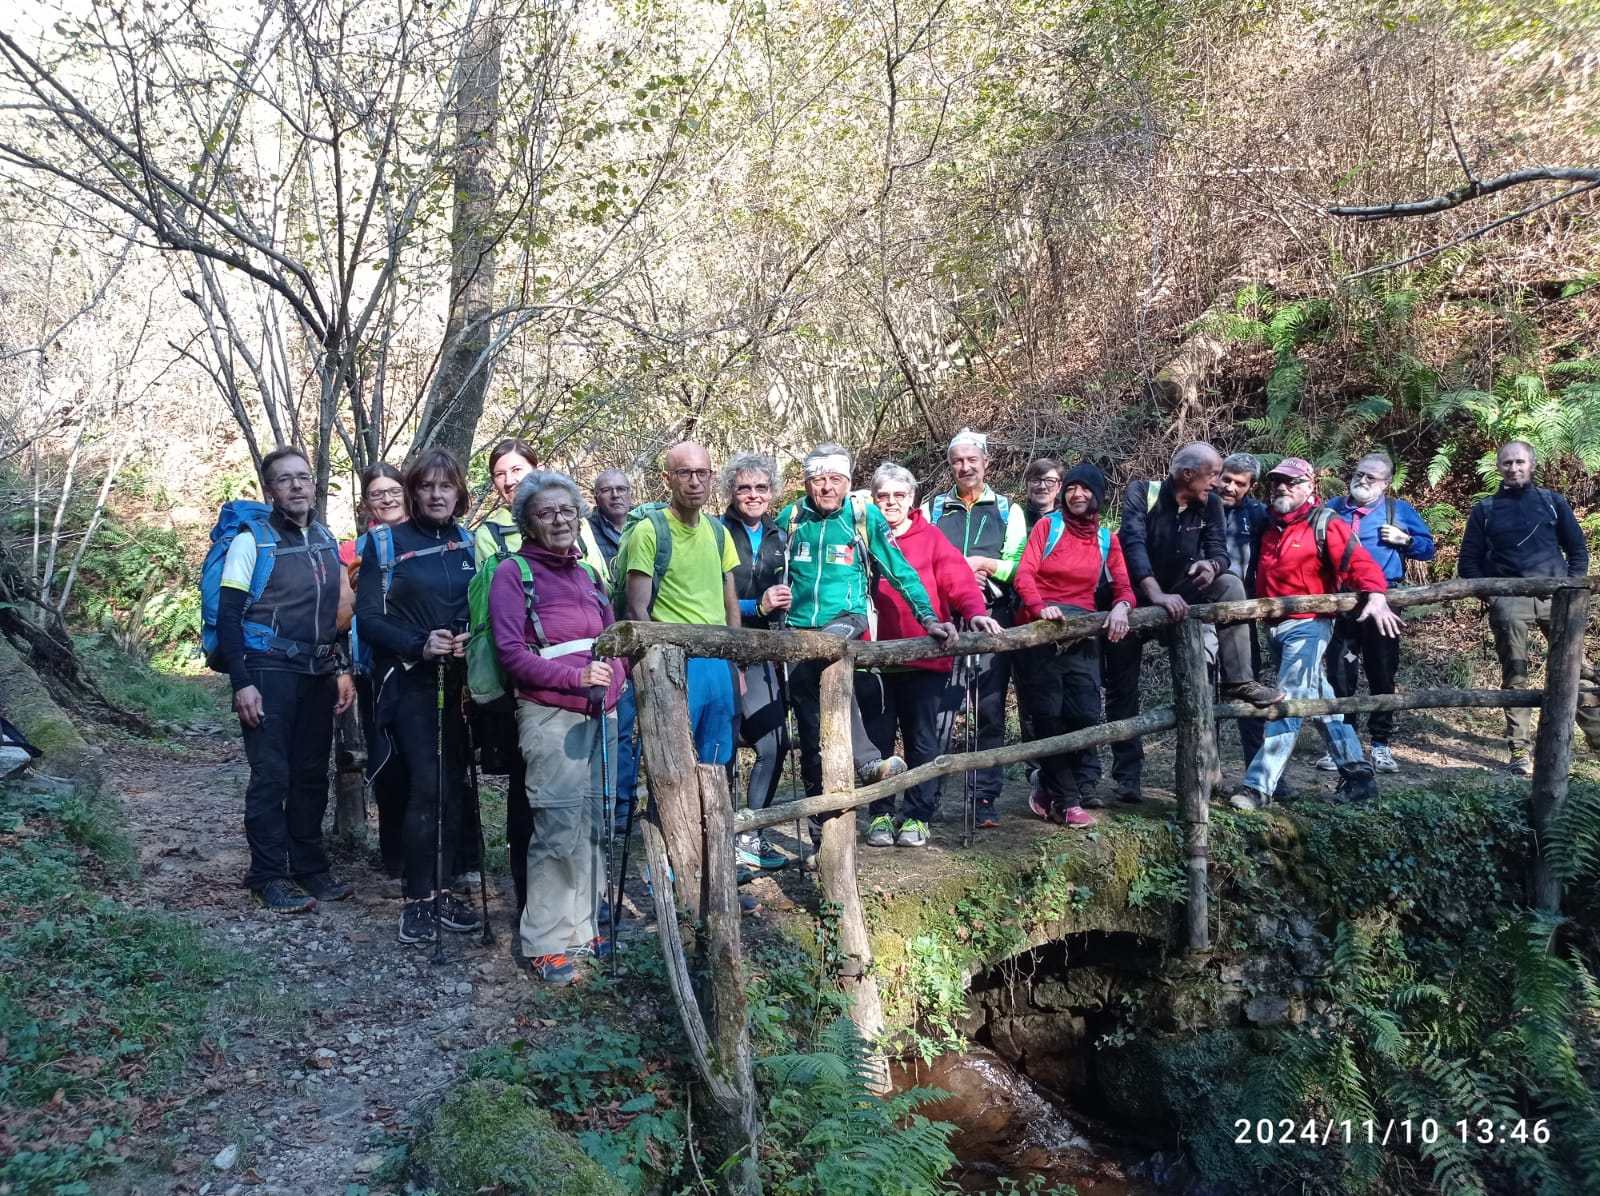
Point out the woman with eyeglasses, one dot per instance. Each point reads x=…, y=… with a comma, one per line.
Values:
x=412, y=607
x=916, y=701
x=383, y=504
x=562, y=696
x=761, y=581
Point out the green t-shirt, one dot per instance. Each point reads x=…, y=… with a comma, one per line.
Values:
x=692, y=590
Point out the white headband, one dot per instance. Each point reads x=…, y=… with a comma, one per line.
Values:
x=836, y=463
x=967, y=436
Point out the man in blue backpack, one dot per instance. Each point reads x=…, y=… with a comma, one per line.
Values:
x=1523, y=530
x=290, y=677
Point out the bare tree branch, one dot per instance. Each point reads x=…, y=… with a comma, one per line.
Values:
x=1473, y=189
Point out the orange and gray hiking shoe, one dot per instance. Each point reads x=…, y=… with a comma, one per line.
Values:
x=553, y=969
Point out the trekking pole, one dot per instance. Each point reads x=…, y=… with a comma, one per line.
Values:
x=969, y=826
x=597, y=695
x=438, y=816
x=622, y=871
x=483, y=862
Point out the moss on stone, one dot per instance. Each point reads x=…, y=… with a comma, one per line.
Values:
x=490, y=1136
x=27, y=703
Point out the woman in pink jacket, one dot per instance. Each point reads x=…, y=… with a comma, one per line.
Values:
x=917, y=700
x=545, y=641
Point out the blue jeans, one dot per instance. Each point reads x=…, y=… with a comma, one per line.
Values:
x=711, y=708
x=1299, y=645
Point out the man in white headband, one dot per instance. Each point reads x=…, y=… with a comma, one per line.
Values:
x=991, y=532
x=835, y=537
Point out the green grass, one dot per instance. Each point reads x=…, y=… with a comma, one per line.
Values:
x=99, y=1002
x=161, y=696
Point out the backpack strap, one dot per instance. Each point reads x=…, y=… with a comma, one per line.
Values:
x=1388, y=510
x=936, y=507
x=1003, y=505
x=1105, y=554
x=1057, y=525
x=266, y=554
x=1152, y=495
x=497, y=533
x=530, y=599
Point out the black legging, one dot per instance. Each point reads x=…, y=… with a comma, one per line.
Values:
x=408, y=721
x=763, y=726
x=389, y=786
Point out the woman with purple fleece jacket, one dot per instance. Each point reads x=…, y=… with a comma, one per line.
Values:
x=547, y=656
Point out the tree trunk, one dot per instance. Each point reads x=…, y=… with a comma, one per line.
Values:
x=670, y=762
x=464, y=367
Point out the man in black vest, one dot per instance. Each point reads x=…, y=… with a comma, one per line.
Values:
x=1175, y=542
x=1522, y=530
x=290, y=677
x=991, y=531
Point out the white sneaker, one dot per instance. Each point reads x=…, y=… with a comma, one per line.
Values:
x=1326, y=764
x=1382, y=761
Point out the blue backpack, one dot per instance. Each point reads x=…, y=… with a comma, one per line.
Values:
x=234, y=517
x=1058, y=524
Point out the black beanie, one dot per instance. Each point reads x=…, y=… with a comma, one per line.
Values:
x=1087, y=475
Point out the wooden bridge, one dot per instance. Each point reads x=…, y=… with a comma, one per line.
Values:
x=690, y=831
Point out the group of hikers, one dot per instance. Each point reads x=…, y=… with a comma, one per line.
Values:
x=449, y=676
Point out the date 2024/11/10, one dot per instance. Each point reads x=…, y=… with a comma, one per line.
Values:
x=1482, y=1131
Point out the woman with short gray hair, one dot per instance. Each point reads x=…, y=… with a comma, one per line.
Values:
x=546, y=608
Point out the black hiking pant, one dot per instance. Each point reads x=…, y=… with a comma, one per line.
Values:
x=921, y=705
x=409, y=726
x=288, y=792
x=1355, y=646
x=1060, y=690
x=389, y=788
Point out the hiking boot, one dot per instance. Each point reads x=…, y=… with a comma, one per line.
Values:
x=1325, y=764
x=598, y=947
x=467, y=882
x=1253, y=692
x=880, y=770
x=1522, y=764
x=281, y=897
x=1382, y=761
x=749, y=903
x=553, y=969
x=1285, y=792
x=755, y=851
x=1039, y=804
x=1246, y=798
x=881, y=832
x=416, y=922
x=457, y=915
x=1130, y=795
x=1356, y=782
x=913, y=833
x=984, y=815
x=1074, y=816
x=1089, y=796
x=324, y=888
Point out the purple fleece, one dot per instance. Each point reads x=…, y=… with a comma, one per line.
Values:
x=565, y=599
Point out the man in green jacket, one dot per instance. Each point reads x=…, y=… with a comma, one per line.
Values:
x=835, y=539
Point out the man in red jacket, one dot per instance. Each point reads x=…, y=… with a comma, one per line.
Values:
x=1295, y=559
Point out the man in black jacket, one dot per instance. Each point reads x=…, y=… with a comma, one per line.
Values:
x=1176, y=547
x=761, y=580
x=290, y=677
x=1522, y=530
x=613, y=499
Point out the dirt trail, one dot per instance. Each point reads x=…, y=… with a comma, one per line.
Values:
x=366, y=1029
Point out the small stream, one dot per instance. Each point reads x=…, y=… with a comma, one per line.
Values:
x=1008, y=1128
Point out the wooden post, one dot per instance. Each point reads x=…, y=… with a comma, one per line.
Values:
x=731, y=1053
x=349, y=781
x=1552, y=746
x=836, y=860
x=1196, y=760
x=670, y=760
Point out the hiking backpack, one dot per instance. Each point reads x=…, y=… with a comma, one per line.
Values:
x=656, y=513
x=938, y=502
x=237, y=516
x=486, y=676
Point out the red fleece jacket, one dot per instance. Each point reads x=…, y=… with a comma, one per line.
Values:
x=945, y=575
x=1071, y=573
x=1290, y=563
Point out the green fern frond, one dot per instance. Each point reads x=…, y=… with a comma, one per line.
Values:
x=1369, y=410
x=1587, y=368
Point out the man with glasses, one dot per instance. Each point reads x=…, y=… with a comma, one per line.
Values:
x=289, y=677
x=1393, y=533
x=1041, y=483
x=613, y=499
x=696, y=586
x=1523, y=530
x=1308, y=551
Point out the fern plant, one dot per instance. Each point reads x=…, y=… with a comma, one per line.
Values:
x=1522, y=406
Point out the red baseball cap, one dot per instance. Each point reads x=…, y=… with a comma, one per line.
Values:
x=1296, y=468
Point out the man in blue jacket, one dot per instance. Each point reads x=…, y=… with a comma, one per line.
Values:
x=1522, y=530
x=1391, y=530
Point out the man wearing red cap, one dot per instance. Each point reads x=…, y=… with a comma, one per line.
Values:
x=1306, y=552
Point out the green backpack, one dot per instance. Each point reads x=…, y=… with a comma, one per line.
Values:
x=486, y=678
x=656, y=513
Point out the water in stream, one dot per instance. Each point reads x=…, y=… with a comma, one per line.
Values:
x=1007, y=1128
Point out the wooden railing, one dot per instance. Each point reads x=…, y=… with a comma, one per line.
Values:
x=690, y=833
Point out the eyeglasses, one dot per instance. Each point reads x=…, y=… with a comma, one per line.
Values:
x=385, y=498
x=1049, y=483
x=692, y=475
x=752, y=488
x=1361, y=475
x=292, y=479
x=551, y=515
x=894, y=496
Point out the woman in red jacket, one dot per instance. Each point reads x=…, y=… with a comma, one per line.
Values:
x=917, y=700
x=1068, y=558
